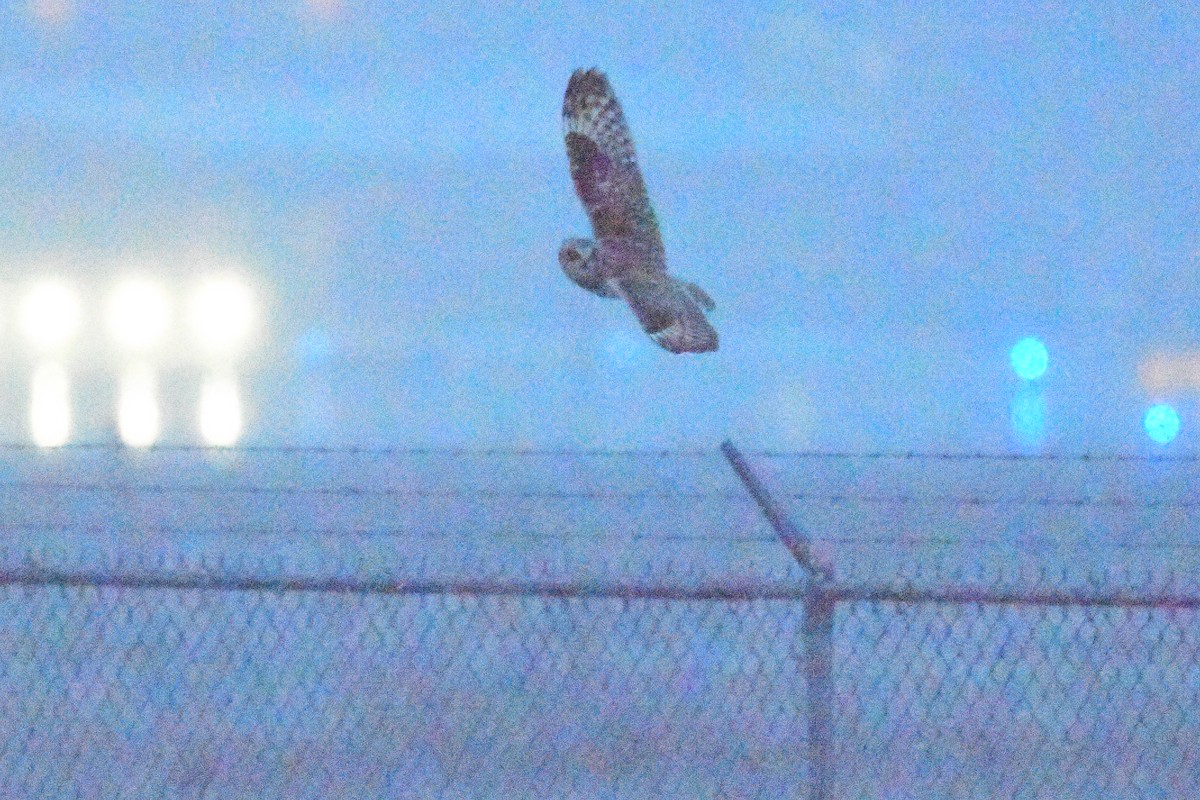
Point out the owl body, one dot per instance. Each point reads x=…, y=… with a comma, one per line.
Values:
x=583, y=262
x=626, y=259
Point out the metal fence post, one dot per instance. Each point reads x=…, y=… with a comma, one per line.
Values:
x=816, y=632
x=819, y=606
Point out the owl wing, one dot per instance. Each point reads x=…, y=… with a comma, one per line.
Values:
x=670, y=311
x=604, y=167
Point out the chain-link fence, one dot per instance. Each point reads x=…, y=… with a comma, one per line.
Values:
x=150, y=693
x=937, y=699
x=633, y=627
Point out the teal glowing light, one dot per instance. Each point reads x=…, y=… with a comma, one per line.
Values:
x=1029, y=359
x=1029, y=417
x=1162, y=423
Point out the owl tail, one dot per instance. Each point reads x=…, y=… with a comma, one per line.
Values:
x=671, y=311
x=699, y=295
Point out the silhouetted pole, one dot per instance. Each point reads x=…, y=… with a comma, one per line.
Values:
x=818, y=678
x=816, y=632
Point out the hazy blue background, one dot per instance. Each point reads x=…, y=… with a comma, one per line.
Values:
x=881, y=201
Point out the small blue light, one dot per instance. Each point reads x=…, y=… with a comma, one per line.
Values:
x=1162, y=423
x=1029, y=359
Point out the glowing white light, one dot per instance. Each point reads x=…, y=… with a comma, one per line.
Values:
x=139, y=420
x=220, y=411
x=138, y=313
x=50, y=315
x=50, y=406
x=220, y=313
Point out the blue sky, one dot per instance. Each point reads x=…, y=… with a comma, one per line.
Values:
x=881, y=202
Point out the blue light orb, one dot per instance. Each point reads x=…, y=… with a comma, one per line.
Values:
x=1162, y=423
x=1029, y=359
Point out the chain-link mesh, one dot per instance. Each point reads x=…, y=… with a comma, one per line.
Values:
x=968, y=700
x=225, y=634
x=144, y=693
x=149, y=693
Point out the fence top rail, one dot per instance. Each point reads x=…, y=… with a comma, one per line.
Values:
x=201, y=580
x=214, y=581
x=1010, y=596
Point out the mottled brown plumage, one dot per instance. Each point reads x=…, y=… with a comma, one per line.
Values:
x=626, y=259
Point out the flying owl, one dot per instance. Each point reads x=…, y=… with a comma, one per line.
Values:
x=626, y=259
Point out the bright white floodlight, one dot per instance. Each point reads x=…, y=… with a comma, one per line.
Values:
x=138, y=417
x=138, y=312
x=220, y=314
x=50, y=315
x=220, y=412
x=50, y=406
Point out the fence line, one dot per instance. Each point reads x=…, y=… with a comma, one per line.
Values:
x=839, y=498
x=599, y=452
x=220, y=582
x=357, y=491
x=830, y=591
x=355, y=450
x=948, y=455
x=1013, y=597
x=847, y=631
x=981, y=501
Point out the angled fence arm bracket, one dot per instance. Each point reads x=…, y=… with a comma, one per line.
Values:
x=795, y=540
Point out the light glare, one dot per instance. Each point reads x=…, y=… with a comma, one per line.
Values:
x=220, y=314
x=138, y=314
x=1028, y=415
x=50, y=406
x=52, y=12
x=50, y=315
x=139, y=420
x=220, y=412
x=1164, y=373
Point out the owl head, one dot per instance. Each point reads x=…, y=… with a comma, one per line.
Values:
x=575, y=256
